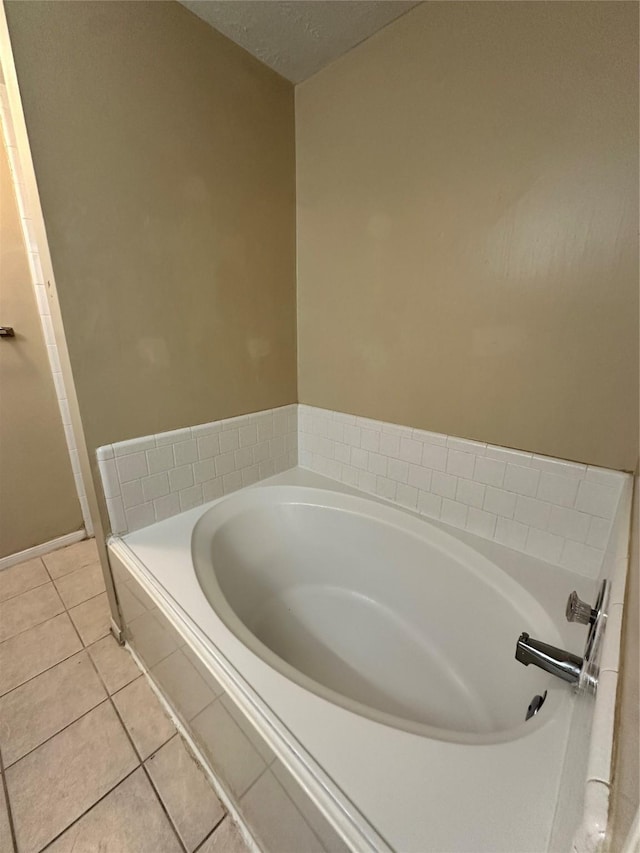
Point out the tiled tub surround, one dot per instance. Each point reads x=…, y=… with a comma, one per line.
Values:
x=339, y=757
x=554, y=510
x=154, y=477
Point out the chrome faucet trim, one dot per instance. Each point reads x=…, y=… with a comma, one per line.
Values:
x=550, y=658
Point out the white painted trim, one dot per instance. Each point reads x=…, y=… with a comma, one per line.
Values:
x=217, y=786
x=45, y=548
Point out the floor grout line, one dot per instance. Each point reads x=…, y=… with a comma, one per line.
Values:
x=141, y=763
x=5, y=788
x=137, y=752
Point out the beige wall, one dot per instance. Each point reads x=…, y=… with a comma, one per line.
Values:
x=164, y=156
x=467, y=219
x=38, y=500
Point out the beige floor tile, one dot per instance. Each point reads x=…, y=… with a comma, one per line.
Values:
x=229, y=750
x=128, y=820
x=185, y=791
x=80, y=585
x=277, y=823
x=144, y=716
x=73, y=557
x=47, y=704
x=32, y=652
x=114, y=663
x=56, y=783
x=92, y=618
x=28, y=609
x=22, y=577
x=6, y=842
x=225, y=839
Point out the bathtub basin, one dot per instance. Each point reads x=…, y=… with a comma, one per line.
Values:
x=375, y=610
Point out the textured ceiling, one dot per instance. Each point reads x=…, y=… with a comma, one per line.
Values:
x=297, y=39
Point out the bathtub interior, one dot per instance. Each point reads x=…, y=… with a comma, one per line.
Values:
x=372, y=610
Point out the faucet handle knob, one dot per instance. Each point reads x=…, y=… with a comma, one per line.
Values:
x=579, y=611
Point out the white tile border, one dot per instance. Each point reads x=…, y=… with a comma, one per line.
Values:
x=37, y=280
x=552, y=509
x=151, y=478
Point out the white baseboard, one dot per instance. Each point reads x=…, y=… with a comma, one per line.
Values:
x=39, y=550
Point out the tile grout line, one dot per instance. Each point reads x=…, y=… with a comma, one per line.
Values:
x=210, y=834
x=87, y=810
x=141, y=762
x=5, y=789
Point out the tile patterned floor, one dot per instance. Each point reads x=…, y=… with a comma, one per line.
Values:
x=90, y=762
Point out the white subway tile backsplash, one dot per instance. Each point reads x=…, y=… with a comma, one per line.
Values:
x=511, y=533
x=390, y=444
x=509, y=456
x=407, y=496
x=434, y=456
x=386, y=488
x=555, y=510
x=460, y=464
x=398, y=470
x=500, y=502
x=521, y=480
x=181, y=478
x=204, y=470
x=134, y=445
x=544, y=545
x=118, y=520
x=370, y=439
x=166, y=506
x=160, y=459
x=599, y=530
x=155, y=486
x=173, y=437
x=489, y=471
x=429, y=504
x=225, y=463
x=569, y=523
x=557, y=490
x=231, y=482
x=140, y=516
x=132, y=493
x=559, y=466
x=377, y=464
x=131, y=467
x=481, y=523
x=443, y=485
x=470, y=493
x=453, y=513
x=428, y=437
x=596, y=499
x=212, y=489
x=185, y=452
x=248, y=435
x=411, y=450
x=466, y=446
x=229, y=440
x=420, y=477
x=532, y=512
x=191, y=497
x=243, y=458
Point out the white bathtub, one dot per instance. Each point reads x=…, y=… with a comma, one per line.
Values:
x=375, y=610
x=374, y=652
